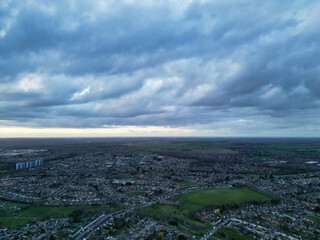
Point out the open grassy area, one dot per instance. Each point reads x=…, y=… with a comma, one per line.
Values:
x=16, y=214
x=315, y=218
x=293, y=148
x=218, y=196
x=229, y=233
x=195, y=201
x=186, y=182
x=259, y=157
x=4, y=173
x=176, y=214
x=3, y=165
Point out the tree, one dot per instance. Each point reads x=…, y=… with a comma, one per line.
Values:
x=76, y=215
x=52, y=237
x=181, y=237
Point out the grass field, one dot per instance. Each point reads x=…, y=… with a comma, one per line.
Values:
x=169, y=213
x=16, y=214
x=4, y=173
x=315, y=218
x=195, y=201
x=4, y=170
x=186, y=182
x=218, y=196
x=294, y=148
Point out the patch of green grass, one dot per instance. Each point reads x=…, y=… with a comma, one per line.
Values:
x=185, y=182
x=135, y=194
x=13, y=222
x=161, y=209
x=315, y=218
x=16, y=214
x=4, y=173
x=293, y=148
x=195, y=201
x=219, y=196
x=229, y=233
x=174, y=213
x=260, y=157
x=279, y=151
x=3, y=165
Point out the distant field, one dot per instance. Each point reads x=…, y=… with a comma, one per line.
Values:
x=179, y=146
x=294, y=148
x=16, y=214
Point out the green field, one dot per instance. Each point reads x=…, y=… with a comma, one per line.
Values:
x=4, y=173
x=3, y=165
x=315, y=218
x=173, y=213
x=312, y=149
x=4, y=170
x=16, y=214
x=197, y=200
x=219, y=196
x=186, y=182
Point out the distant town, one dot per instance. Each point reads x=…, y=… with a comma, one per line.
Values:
x=160, y=188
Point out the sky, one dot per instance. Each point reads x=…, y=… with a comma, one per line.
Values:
x=93, y=68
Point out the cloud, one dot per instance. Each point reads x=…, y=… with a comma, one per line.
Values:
x=196, y=63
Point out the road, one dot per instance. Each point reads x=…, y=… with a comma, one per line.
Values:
x=216, y=228
x=102, y=218
x=96, y=223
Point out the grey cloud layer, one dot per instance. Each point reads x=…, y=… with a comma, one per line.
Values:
x=241, y=65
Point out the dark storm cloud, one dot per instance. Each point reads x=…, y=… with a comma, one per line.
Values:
x=240, y=65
